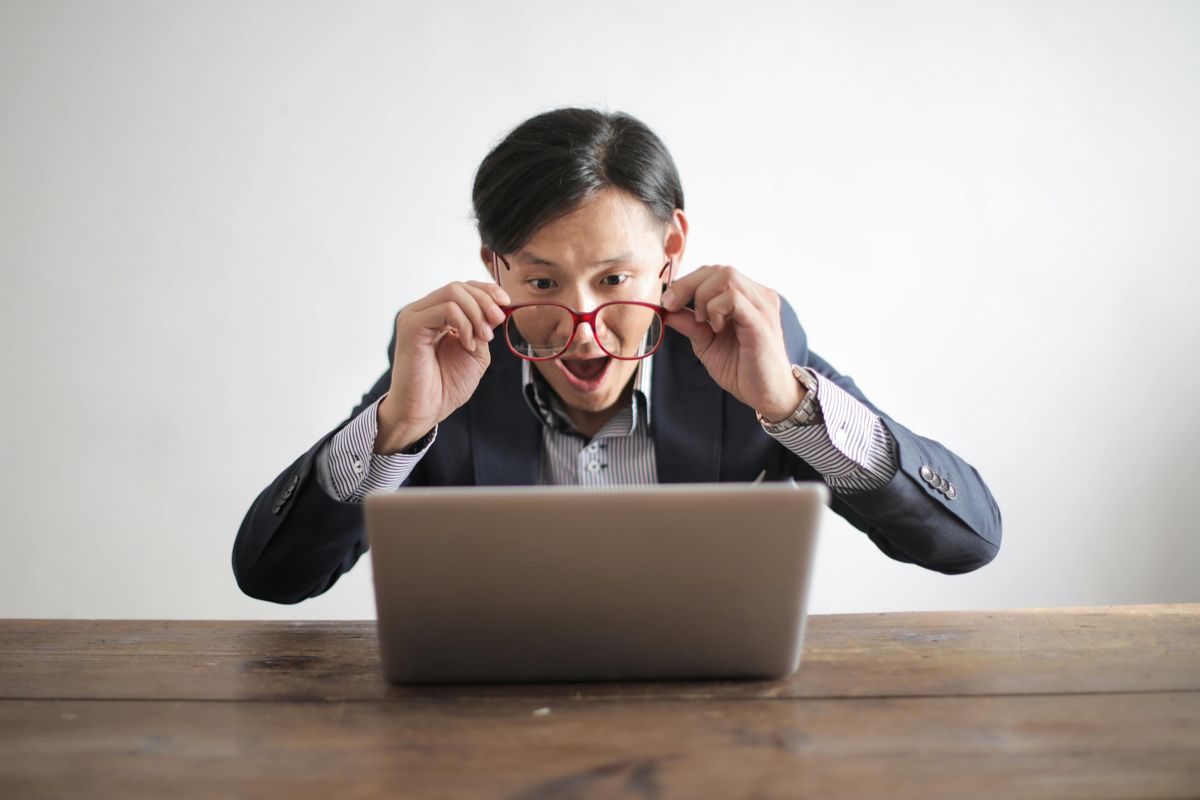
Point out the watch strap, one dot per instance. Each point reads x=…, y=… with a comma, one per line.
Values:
x=809, y=410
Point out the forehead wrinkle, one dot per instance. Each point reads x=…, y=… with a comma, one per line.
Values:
x=609, y=219
x=535, y=260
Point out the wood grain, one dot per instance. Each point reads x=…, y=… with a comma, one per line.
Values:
x=1101, y=649
x=1095, y=746
x=1091, y=702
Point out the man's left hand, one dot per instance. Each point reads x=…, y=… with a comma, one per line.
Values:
x=736, y=334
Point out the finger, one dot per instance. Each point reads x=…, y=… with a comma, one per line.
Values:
x=496, y=292
x=720, y=308
x=680, y=293
x=700, y=334
x=470, y=303
x=439, y=296
x=434, y=298
x=448, y=317
x=717, y=283
x=487, y=302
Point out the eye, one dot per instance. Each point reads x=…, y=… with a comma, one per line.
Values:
x=614, y=280
x=540, y=283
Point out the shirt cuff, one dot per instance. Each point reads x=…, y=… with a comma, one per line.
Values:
x=852, y=448
x=352, y=467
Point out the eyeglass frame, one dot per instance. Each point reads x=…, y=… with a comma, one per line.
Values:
x=580, y=317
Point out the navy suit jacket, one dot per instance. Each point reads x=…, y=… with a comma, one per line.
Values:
x=296, y=540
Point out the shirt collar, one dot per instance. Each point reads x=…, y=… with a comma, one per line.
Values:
x=547, y=407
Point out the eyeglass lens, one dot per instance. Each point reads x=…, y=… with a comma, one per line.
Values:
x=622, y=330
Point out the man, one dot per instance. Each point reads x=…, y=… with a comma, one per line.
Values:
x=585, y=361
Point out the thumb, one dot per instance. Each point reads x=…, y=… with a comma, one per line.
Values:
x=700, y=333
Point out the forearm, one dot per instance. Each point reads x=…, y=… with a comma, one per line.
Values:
x=914, y=520
x=847, y=443
x=297, y=538
x=349, y=466
x=951, y=524
x=295, y=544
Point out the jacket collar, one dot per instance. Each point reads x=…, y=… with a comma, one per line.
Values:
x=687, y=427
x=546, y=407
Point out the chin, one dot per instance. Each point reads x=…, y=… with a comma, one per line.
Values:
x=589, y=402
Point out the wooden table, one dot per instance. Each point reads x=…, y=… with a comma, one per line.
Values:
x=1086, y=702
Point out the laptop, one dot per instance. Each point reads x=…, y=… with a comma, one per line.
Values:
x=558, y=583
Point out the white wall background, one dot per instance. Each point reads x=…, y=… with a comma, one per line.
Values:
x=987, y=214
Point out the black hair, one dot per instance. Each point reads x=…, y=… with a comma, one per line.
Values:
x=551, y=163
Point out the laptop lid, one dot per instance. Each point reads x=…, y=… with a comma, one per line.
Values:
x=558, y=583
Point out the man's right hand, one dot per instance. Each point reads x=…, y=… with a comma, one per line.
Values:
x=441, y=353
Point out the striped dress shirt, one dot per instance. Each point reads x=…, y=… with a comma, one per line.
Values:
x=857, y=456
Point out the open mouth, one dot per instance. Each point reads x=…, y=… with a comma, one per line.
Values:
x=585, y=374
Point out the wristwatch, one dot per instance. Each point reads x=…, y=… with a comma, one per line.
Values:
x=807, y=413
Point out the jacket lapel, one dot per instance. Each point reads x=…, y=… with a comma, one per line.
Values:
x=687, y=427
x=505, y=437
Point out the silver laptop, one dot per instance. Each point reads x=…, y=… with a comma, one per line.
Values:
x=558, y=583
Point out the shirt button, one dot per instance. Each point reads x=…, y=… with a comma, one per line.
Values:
x=593, y=466
x=593, y=447
x=358, y=466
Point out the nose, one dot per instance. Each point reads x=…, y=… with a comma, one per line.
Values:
x=580, y=299
x=585, y=340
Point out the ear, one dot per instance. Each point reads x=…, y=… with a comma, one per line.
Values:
x=488, y=257
x=674, y=243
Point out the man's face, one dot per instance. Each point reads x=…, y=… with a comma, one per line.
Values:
x=610, y=248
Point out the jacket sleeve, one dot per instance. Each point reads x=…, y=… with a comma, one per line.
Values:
x=296, y=540
x=936, y=511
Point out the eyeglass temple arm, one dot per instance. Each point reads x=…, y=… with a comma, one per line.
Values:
x=691, y=304
x=496, y=267
x=666, y=268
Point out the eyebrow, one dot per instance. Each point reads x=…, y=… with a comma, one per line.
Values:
x=545, y=262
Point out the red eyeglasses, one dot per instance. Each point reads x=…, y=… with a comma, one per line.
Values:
x=624, y=329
